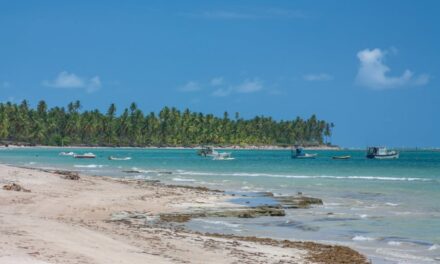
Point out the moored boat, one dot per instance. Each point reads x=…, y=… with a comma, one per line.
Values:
x=341, y=157
x=222, y=156
x=67, y=153
x=88, y=155
x=299, y=154
x=381, y=153
x=119, y=158
x=206, y=151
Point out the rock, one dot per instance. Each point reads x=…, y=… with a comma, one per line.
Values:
x=178, y=218
x=293, y=202
x=245, y=212
x=15, y=187
x=131, y=171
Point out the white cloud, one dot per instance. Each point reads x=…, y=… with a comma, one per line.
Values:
x=246, y=87
x=372, y=72
x=222, y=92
x=94, y=84
x=318, y=77
x=249, y=86
x=217, y=81
x=68, y=80
x=190, y=86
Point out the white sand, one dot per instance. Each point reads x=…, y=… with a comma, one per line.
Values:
x=65, y=221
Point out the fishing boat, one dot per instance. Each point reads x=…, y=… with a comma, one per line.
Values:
x=341, y=157
x=67, y=153
x=222, y=156
x=299, y=154
x=381, y=153
x=88, y=155
x=119, y=158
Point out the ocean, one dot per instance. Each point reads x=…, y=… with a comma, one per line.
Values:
x=386, y=209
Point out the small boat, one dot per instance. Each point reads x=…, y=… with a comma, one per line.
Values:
x=341, y=157
x=206, y=152
x=381, y=153
x=222, y=156
x=119, y=158
x=299, y=154
x=67, y=153
x=88, y=155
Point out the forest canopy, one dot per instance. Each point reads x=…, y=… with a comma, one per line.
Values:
x=20, y=123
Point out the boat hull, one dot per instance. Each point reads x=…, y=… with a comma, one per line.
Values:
x=382, y=157
x=307, y=156
x=341, y=157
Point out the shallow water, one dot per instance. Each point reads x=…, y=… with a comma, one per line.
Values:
x=389, y=209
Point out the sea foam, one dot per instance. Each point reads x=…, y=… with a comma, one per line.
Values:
x=89, y=166
x=362, y=238
x=245, y=174
x=183, y=180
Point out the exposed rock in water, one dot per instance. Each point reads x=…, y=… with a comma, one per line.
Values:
x=15, y=187
x=177, y=218
x=252, y=212
x=245, y=212
x=295, y=202
x=68, y=175
x=195, y=188
x=131, y=171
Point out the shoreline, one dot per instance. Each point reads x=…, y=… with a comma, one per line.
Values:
x=116, y=214
x=228, y=147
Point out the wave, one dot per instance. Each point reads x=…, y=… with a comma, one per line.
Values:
x=363, y=216
x=89, y=166
x=434, y=247
x=362, y=238
x=394, y=243
x=244, y=174
x=217, y=222
x=183, y=180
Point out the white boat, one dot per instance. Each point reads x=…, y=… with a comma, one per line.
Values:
x=67, y=153
x=119, y=158
x=88, y=155
x=299, y=154
x=222, y=156
x=341, y=157
x=381, y=153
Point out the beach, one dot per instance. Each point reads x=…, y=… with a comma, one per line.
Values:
x=61, y=219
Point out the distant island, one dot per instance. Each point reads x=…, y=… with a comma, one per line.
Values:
x=60, y=126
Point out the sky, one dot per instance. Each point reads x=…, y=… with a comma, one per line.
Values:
x=370, y=67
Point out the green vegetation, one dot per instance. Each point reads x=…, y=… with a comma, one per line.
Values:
x=60, y=126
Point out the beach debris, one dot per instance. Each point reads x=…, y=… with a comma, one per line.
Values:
x=317, y=253
x=15, y=187
x=68, y=175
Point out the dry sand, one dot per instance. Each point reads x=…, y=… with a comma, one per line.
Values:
x=79, y=221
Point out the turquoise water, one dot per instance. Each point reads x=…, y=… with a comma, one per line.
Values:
x=389, y=209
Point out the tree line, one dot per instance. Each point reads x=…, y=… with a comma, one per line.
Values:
x=57, y=126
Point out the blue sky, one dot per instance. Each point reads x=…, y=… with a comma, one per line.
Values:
x=371, y=67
